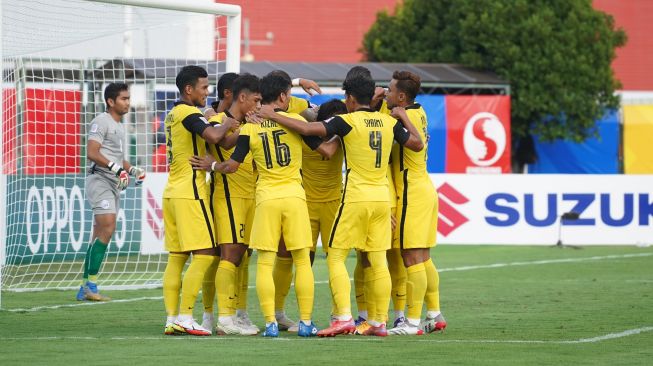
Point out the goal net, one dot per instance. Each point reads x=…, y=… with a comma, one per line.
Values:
x=57, y=57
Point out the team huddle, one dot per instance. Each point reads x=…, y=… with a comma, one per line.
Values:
x=262, y=170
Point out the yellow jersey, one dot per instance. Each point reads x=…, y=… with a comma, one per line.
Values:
x=240, y=184
x=409, y=167
x=277, y=153
x=391, y=183
x=322, y=177
x=297, y=105
x=184, y=126
x=367, y=138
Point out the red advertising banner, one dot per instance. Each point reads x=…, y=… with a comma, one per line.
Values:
x=478, y=134
x=51, y=131
x=8, y=131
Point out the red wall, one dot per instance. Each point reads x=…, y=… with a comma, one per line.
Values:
x=310, y=30
x=635, y=60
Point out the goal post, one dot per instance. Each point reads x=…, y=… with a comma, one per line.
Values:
x=56, y=57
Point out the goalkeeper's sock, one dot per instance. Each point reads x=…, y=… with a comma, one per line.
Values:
x=98, y=249
x=86, y=262
x=172, y=282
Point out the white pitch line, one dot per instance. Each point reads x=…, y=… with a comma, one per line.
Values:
x=428, y=339
x=463, y=268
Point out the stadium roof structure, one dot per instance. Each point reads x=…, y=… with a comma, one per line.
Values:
x=436, y=78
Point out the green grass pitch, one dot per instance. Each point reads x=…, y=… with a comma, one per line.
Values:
x=505, y=305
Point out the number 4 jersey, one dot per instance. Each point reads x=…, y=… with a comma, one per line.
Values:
x=277, y=152
x=367, y=140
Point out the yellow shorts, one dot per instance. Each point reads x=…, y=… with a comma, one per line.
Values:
x=395, y=232
x=233, y=219
x=188, y=225
x=417, y=221
x=287, y=216
x=322, y=215
x=362, y=225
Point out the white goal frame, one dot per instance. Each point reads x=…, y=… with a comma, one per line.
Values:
x=232, y=64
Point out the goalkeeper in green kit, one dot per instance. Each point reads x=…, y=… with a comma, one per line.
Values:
x=108, y=174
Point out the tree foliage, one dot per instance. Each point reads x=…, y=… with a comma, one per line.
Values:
x=556, y=54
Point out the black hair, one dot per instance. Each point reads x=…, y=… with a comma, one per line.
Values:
x=281, y=73
x=272, y=85
x=330, y=109
x=245, y=82
x=112, y=91
x=226, y=81
x=408, y=83
x=360, y=87
x=188, y=75
x=358, y=71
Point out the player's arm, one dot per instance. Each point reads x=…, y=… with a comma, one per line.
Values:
x=308, y=85
x=324, y=148
x=231, y=165
x=405, y=133
x=301, y=127
x=196, y=123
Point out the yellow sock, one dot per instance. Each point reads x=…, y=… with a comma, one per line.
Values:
x=339, y=280
x=416, y=289
x=368, y=288
x=208, y=286
x=243, y=282
x=192, y=282
x=172, y=282
x=265, y=284
x=225, y=279
x=382, y=284
x=304, y=283
x=282, y=276
x=359, y=285
x=398, y=278
x=432, y=286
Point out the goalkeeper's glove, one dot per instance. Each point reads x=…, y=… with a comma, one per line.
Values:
x=123, y=177
x=139, y=173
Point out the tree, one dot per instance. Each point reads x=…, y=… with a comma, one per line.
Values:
x=556, y=54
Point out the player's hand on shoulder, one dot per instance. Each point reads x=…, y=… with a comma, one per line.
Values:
x=398, y=112
x=121, y=174
x=138, y=173
x=205, y=162
x=253, y=117
x=209, y=112
x=231, y=123
x=266, y=112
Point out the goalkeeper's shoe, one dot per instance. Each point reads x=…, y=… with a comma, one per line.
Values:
x=338, y=327
x=81, y=294
x=271, y=330
x=243, y=321
x=173, y=329
x=379, y=331
x=92, y=293
x=430, y=325
x=307, y=330
x=287, y=324
x=191, y=327
x=405, y=328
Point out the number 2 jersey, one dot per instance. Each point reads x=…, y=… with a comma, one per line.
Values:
x=277, y=152
x=367, y=138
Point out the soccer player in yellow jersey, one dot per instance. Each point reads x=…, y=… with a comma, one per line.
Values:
x=186, y=204
x=234, y=207
x=363, y=219
x=417, y=213
x=280, y=202
x=225, y=95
